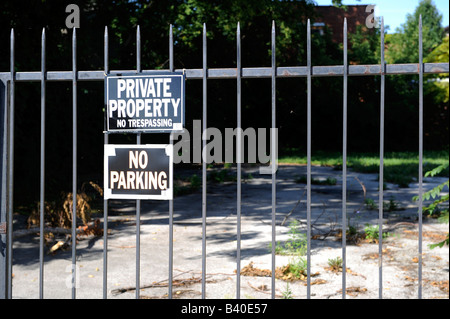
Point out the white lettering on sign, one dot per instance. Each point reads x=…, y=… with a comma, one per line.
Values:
x=139, y=107
x=138, y=180
x=148, y=87
x=135, y=159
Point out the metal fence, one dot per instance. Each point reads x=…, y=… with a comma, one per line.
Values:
x=7, y=103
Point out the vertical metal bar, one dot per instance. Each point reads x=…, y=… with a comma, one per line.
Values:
x=74, y=159
x=344, y=167
x=381, y=178
x=420, y=153
x=308, y=179
x=171, y=68
x=105, y=201
x=11, y=165
x=138, y=201
x=238, y=159
x=138, y=49
x=274, y=194
x=3, y=186
x=205, y=70
x=171, y=201
x=42, y=177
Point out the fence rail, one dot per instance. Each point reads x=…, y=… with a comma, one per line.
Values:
x=246, y=73
x=7, y=86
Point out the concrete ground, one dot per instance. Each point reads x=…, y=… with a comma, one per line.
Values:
x=400, y=249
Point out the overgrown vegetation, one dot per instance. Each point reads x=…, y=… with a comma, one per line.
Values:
x=439, y=207
x=399, y=167
x=58, y=213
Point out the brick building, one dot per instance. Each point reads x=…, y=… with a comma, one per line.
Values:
x=333, y=18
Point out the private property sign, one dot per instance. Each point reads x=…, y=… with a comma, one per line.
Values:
x=138, y=171
x=145, y=102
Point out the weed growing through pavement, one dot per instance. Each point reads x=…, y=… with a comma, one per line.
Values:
x=372, y=233
x=335, y=264
x=295, y=245
x=287, y=293
x=297, y=266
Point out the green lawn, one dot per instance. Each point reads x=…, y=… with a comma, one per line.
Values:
x=399, y=167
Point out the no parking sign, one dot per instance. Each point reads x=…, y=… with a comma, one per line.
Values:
x=138, y=171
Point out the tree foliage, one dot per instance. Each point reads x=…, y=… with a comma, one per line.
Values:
x=404, y=44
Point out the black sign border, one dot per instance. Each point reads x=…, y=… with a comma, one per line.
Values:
x=107, y=193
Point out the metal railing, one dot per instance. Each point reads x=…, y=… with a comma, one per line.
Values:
x=7, y=91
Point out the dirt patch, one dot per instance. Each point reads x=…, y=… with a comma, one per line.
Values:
x=286, y=273
x=354, y=291
x=436, y=236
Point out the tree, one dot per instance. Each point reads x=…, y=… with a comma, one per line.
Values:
x=436, y=90
x=440, y=54
x=403, y=46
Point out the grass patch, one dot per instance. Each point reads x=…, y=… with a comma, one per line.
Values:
x=400, y=168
